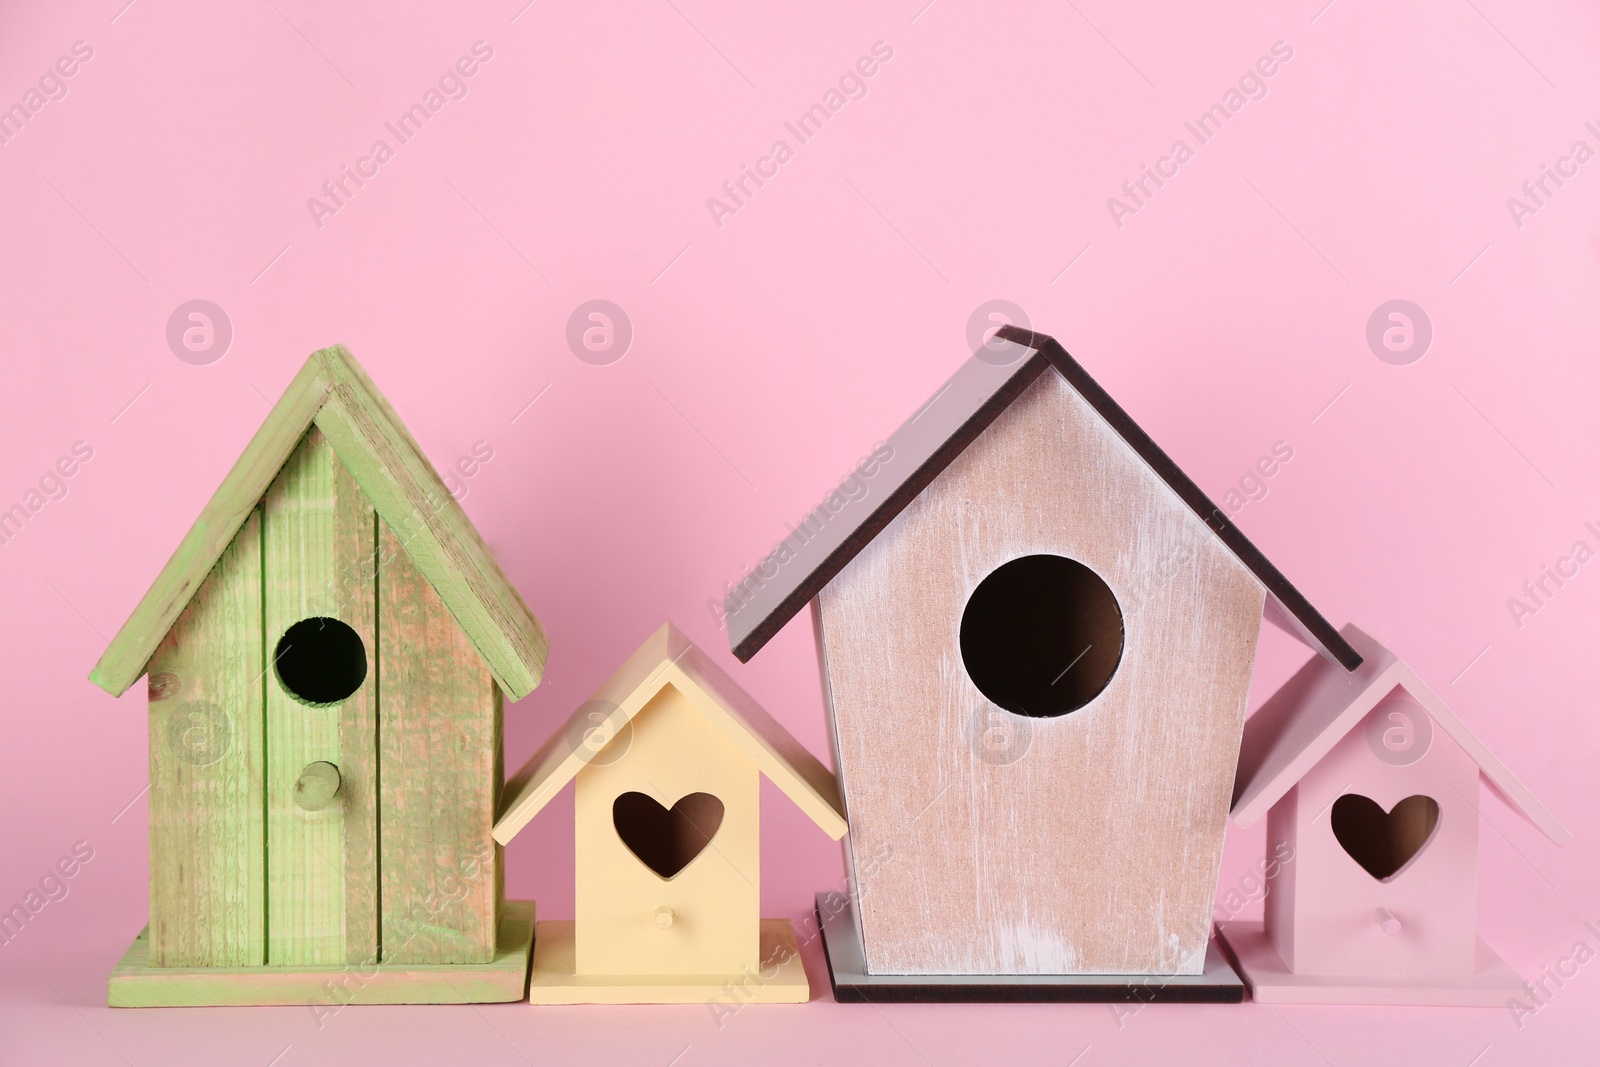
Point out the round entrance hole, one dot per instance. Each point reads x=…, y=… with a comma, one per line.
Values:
x=320, y=661
x=1041, y=635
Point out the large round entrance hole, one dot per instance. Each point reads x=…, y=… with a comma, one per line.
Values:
x=1041, y=635
x=320, y=661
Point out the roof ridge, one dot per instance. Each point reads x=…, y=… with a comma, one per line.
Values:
x=1287, y=736
x=333, y=392
x=984, y=386
x=667, y=657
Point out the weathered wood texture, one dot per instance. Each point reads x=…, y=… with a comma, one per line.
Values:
x=716, y=898
x=899, y=469
x=853, y=984
x=1096, y=850
x=437, y=534
x=242, y=873
x=333, y=392
x=322, y=896
x=207, y=853
x=355, y=543
x=135, y=983
x=439, y=737
x=240, y=492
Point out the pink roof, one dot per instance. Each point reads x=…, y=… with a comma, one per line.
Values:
x=1301, y=723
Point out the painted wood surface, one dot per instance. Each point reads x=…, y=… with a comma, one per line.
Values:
x=1302, y=722
x=318, y=533
x=207, y=812
x=354, y=543
x=1093, y=846
x=715, y=900
x=1217, y=983
x=667, y=657
x=781, y=978
x=899, y=469
x=247, y=868
x=125, y=658
x=325, y=990
x=670, y=725
x=436, y=533
x=1489, y=985
x=1325, y=919
x=1332, y=931
x=333, y=392
x=439, y=736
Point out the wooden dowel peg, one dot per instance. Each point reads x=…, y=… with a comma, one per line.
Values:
x=317, y=785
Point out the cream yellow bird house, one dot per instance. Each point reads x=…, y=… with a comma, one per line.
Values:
x=668, y=757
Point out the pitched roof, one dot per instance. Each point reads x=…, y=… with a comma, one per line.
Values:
x=668, y=658
x=984, y=386
x=1300, y=724
x=333, y=393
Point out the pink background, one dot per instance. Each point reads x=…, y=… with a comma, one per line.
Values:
x=1227, y=314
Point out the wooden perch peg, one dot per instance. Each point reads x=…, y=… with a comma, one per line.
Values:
x=317, y=785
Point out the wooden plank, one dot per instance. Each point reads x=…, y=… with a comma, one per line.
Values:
x=1084, y=843
x=125, y=658
x=436, y=533
x=780, y=978
x=355, y=561
x=136, y=984
x=439, y=737
x=207, y=858
x=853, y=984
x=311, y=538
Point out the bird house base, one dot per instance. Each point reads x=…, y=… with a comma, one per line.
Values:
x=1271, y=982
x=781, y=980
x=136, y=984
x=847, y=970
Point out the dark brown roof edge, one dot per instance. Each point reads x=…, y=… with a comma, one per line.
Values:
x=1049, y=353
x=1319, y=629
x=892, y=505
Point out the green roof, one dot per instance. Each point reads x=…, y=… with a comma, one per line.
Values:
x=334, y=394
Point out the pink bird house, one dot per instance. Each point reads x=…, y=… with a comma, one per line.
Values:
x=1369, y=785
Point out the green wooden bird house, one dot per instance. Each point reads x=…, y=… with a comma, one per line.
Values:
x=327, y=651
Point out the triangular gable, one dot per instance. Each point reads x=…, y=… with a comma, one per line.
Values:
x=670, y=658
x=1300, y=724
x=333, y=393
x=983, y=387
